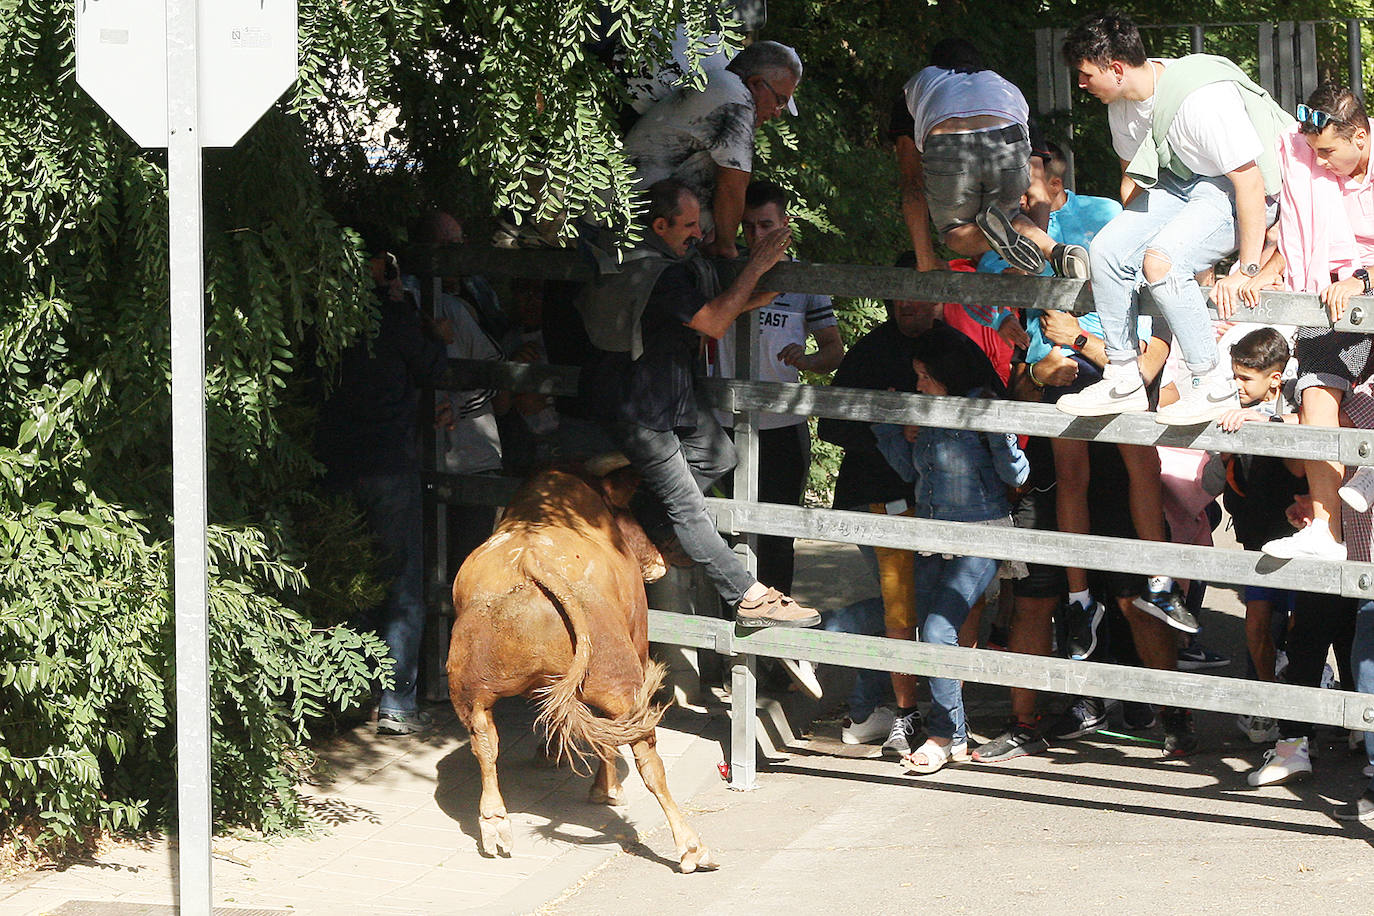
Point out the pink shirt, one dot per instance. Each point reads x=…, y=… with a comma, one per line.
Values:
x=1358, y=196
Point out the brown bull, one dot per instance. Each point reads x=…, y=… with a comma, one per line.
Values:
x=552, y=606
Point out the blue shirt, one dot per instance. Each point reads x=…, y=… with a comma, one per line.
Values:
x=1075, y=223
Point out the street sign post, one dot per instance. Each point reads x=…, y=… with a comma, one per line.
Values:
x=182, y=74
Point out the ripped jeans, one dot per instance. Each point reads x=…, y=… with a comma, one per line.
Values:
x=1193, y=225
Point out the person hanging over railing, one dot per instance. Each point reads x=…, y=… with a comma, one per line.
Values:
x=963, y=147
x=648, y=322
x=1198, y=142
x=959, y=476
x=705, y=137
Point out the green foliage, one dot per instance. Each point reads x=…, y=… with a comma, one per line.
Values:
x=86, y=633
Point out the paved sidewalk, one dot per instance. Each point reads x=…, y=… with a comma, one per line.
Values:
x=1093, y=825
x=401, y=837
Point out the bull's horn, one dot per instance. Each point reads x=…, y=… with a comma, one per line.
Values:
x=605, y=463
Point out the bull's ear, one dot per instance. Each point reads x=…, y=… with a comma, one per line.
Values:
x=619, y=486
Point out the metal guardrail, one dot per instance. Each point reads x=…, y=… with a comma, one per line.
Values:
x=1185, y=561
x=987, y=666
x=897, y=283
x=1346, y=446
x=750, y=518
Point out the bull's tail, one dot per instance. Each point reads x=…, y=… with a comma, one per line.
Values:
x=573, y=730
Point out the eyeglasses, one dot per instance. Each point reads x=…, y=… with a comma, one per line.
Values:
x=781, y=99
x=1315, y=116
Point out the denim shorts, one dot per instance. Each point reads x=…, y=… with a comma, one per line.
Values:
x=968, y=172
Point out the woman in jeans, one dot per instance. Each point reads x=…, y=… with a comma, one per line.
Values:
x=959, y=476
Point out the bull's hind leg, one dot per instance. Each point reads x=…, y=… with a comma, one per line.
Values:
x=496, y=831
x=692, y=853
x=606, y=788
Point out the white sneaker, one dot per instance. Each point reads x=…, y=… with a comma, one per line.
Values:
x=874, y=728
x=1358, y=491
x=1311, y=543
x=1287, y=762
x=804, y=673
x=1259, y=729
x=1120, y=391
x=1201, y=399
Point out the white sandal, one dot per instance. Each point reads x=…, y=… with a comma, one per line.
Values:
x=937, y=755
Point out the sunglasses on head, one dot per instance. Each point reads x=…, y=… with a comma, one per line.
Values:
x=1315, y=116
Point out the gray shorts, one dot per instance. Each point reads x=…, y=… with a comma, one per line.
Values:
x=966, y=173
x=1332, y=359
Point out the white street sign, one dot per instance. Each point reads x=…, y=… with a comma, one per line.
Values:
x=247, y=51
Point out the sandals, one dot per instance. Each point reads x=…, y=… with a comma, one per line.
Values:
x=936, y=756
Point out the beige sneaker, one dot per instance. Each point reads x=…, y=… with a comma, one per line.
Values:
x=775, y=609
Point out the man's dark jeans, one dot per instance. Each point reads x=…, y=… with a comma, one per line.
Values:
x=677, y=466
x=391, y=504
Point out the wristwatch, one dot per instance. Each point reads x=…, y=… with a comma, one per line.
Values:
x=1081, y=341
x=1363, y=276
x=1250, y=270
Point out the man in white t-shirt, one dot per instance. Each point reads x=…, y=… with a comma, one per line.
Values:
x=1198, y=143
x=784, y=325
x=705, y=137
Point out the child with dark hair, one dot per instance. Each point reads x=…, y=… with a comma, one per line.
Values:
x=962, y=476
x=1258, y=491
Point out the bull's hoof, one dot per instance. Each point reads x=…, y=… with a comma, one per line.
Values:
x=614, y=797
x=695, y=856
x=496, y=836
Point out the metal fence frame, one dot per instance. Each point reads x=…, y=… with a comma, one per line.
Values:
x=745, y=516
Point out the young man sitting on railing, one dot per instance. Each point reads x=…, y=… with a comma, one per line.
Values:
x=1198, y=142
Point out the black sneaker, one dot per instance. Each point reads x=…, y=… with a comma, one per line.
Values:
x=1014, y=248
x=1085, y=716
x=1361, y=809
x=1197, y=657
x=1020, y=740
x=1168, y=607
x=1179, y=738
x=1137, y=717
x=1080, y=628
x=904, y=728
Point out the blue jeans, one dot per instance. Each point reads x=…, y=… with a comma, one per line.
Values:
x=862, y=618
x=391, y=504
x=677, y=466
x=1362, y=661
x=946, y=589
x=1190, y=223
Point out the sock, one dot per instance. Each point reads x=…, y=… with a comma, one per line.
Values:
x=1084, y=598
x=904, y=711
x=1161, y=584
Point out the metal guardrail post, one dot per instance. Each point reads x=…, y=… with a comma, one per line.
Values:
x=744, y=667
x=1354, y=49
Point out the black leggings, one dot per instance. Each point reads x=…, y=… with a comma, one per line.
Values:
x=1320, y=622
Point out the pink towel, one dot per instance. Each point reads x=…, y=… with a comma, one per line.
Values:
x=1315, y=237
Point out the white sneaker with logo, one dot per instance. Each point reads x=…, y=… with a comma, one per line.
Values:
x=1259, y=729
x=1120, y=391
x=1201, y=399
x=874, y=728
x=1311, y=543
x=1287, y=762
